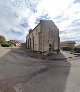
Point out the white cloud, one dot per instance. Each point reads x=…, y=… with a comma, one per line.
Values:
x=20, y=15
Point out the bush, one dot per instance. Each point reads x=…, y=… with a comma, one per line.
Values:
x=5, y=45
x=77, y=50
x=2, y=39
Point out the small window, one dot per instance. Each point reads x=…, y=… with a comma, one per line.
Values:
x=32, y=34
x=50, y=47
x=50, y=33
x=36, y=32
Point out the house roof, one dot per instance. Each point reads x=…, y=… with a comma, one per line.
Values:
x=73, y=42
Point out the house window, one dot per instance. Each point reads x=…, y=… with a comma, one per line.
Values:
x=50, y=47
x=32, y=34
x=36, y=32
x=30, y=43
x=50, y=33
x=33, y=42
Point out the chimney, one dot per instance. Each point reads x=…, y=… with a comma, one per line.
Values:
x=41, y=21
x=30, y=31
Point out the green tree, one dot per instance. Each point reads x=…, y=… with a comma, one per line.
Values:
x=2, y=39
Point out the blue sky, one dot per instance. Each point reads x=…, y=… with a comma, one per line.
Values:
x=18, y=16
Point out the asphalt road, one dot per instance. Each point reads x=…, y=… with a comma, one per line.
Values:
x=21, y=71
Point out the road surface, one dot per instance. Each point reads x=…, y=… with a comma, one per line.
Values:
x=22, y=72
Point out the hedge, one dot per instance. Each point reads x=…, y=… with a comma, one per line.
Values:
x=5, y=45
x=77, y=50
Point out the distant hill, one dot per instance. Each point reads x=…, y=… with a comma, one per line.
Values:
x=22, y=41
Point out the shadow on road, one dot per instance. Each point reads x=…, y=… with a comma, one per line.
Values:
x=51, y=78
